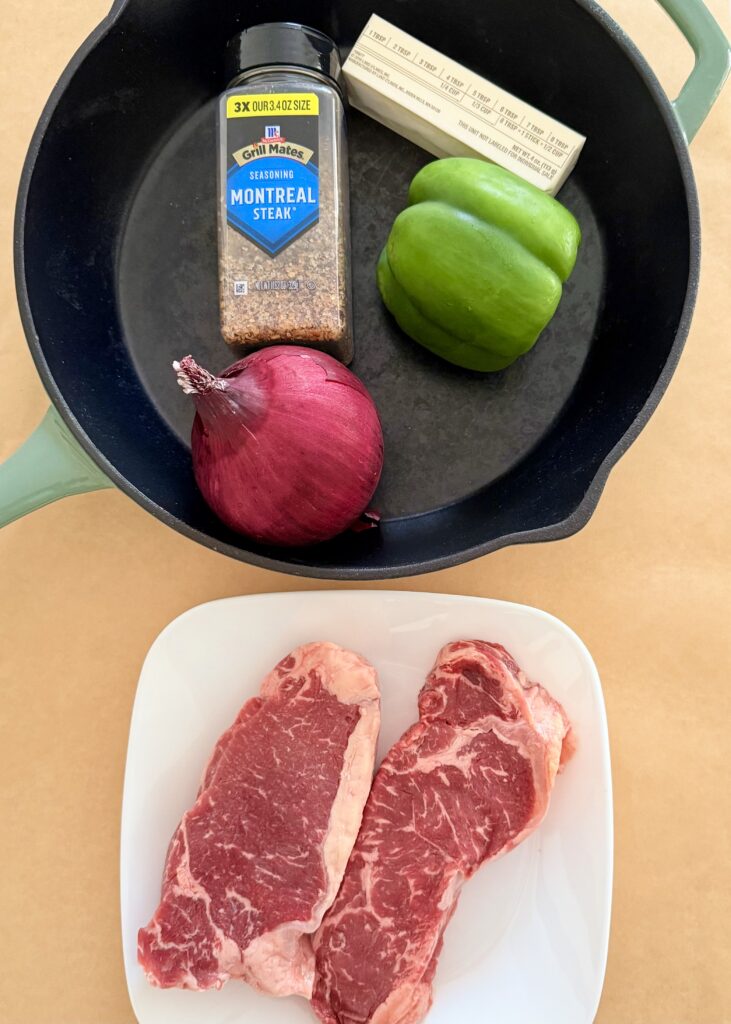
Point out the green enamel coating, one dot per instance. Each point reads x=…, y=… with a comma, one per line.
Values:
x=50, y=465
x=712, y=60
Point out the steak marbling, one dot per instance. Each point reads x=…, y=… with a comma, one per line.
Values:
x=258, y=859
x=466, y=783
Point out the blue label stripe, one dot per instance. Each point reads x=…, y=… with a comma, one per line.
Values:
x=256, y=200
x=283, y=240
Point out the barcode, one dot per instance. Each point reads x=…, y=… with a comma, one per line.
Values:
x=241, y=287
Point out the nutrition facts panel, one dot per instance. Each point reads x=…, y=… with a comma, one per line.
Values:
x=469, y=108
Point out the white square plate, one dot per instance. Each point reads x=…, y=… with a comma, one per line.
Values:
x=528, y=943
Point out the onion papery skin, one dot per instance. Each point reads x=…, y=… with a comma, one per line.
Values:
x=287, y=445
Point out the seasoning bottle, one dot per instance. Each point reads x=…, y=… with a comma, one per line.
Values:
x=284, y=235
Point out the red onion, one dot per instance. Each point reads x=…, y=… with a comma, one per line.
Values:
x=287, y=444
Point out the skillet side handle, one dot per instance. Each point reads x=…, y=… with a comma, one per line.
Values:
x=48, y=466
x=712, y=57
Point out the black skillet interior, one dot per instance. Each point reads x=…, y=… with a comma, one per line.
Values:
x=120, y=269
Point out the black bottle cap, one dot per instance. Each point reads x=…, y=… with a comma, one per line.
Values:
x=283, y=43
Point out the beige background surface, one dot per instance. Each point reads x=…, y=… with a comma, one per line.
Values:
x=86, y=585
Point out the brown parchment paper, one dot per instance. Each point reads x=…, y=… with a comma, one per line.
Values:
x=86, y=585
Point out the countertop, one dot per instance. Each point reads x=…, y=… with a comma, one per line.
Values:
x=86, y=585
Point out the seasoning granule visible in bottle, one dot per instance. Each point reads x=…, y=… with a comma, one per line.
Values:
x=284, y=243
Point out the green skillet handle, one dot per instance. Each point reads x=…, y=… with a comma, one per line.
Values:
x=711, y=62
x=50, y=465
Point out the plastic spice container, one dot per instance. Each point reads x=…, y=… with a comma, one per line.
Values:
x=284, y=238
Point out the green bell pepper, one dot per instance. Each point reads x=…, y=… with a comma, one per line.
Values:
x=473, y=267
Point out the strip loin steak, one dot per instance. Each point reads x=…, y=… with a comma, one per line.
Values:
x=465, y=784
x=258, y=859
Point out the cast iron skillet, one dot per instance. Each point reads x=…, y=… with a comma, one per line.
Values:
x=116, y=277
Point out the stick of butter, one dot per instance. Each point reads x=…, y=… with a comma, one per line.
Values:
x=450, y=111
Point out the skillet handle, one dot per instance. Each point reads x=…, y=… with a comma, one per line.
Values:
x=712, y=56
x=48, y=466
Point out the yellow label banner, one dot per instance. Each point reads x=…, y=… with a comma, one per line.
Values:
x=304, y=104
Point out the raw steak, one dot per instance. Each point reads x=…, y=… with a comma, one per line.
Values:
x=258, y=859
x=466, y=783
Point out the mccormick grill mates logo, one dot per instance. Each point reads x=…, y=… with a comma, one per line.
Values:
x=272, y=147
x=273, y=191
x=273, y=183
